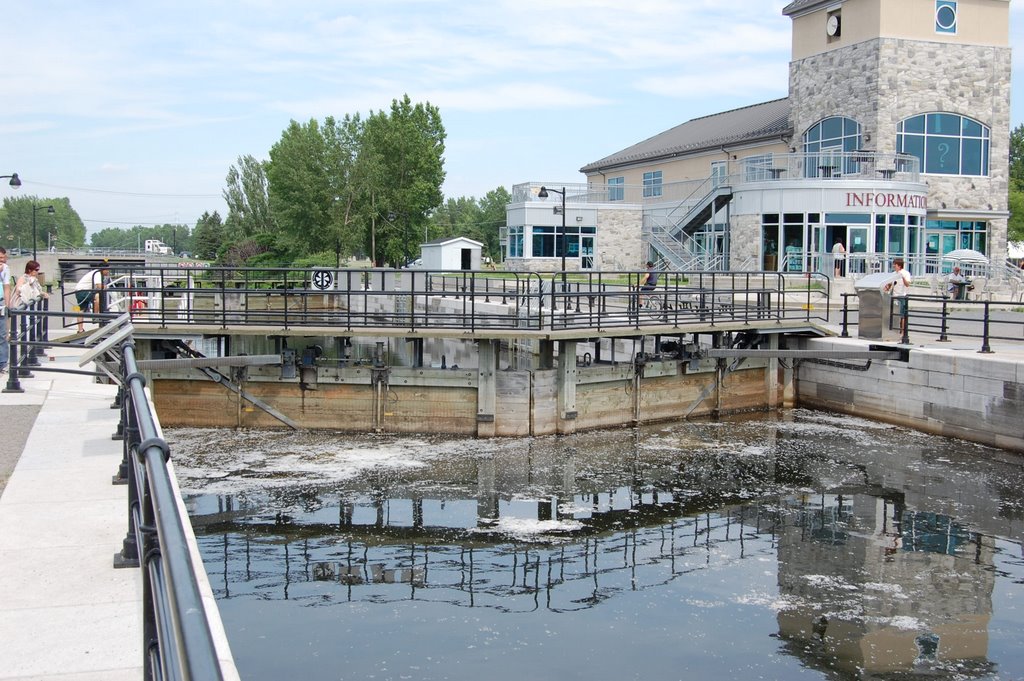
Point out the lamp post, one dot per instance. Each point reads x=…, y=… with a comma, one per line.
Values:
x=15, y=180
x=49, y=211
x=543, y=194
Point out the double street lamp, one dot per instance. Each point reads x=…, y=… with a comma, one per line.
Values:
x=543, y=194
x=49, y=211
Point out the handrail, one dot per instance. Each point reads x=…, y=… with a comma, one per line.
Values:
x=177, y=638
x=418, y=300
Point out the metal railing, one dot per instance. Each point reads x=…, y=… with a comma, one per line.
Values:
x=177, y=638
x=943, y=318
x=475, y=301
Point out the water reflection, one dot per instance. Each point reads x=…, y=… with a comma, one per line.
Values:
x=874, y=551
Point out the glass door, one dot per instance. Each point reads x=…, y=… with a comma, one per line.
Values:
x=587, y=252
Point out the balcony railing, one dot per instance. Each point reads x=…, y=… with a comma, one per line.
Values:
x=822, y=166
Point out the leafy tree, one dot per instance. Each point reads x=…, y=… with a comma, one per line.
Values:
x=1016, y=223
x=248, y=199
x=480, y=220
x=64, y=228
x=313, y=184
x=208, y=236
x=402, y=158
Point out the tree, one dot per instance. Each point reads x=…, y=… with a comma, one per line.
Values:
x=402, y=160
x=315, y=190
x=248, y=199
x=63, y=228
x=208, y=236
x=480, y=220
x=1016, y=222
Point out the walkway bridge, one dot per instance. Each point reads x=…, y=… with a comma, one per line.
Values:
x=368, y=350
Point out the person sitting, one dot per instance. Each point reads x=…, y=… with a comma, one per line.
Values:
x=956, y=286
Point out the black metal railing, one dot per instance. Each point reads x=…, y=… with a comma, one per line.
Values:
x=418, y=299
x=940, y=319
x=177, y=638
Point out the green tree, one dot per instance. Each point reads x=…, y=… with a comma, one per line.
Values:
x=402, y=159
x=207, y=236
x=63, y=228
x=1016, y=222
x=248, y=199
x=306, y=179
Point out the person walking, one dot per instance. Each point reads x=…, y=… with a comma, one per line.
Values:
x=5, y=301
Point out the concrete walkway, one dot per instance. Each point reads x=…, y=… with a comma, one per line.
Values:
x=65, y=612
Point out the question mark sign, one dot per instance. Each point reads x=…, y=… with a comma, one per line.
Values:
x=943, y=153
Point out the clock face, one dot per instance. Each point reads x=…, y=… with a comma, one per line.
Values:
x=832, y=26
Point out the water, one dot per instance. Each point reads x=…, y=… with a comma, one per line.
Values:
x=800, y=546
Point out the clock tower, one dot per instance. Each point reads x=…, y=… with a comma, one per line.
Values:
x=929, y=78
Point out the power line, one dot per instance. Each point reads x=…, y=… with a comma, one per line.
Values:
x=119, y=193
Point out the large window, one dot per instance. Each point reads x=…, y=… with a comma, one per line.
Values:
x=946, y=144
x=825, y=142
x=616, y=188
x=652, y=183
x=544, y=241
x=515, y=242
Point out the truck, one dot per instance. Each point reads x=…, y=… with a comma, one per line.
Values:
x=158, y=247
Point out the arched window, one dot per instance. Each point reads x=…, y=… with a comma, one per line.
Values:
x=824, y=143
x=832, y=134
x=946, y=144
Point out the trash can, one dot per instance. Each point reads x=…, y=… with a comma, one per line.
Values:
x=874, y=316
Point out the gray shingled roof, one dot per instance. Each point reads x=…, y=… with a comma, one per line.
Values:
x=748, y=124
x=800, y=5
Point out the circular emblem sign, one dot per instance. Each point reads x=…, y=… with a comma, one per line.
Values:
x=322, y=279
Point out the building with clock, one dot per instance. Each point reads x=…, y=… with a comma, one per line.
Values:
x=893, y=141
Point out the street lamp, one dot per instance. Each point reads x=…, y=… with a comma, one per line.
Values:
x=15, y=180
x=543, y=194
x=49, y=211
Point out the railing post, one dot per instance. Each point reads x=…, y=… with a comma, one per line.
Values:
x=943, y=338
x=129, y=554
x=905, y=321
x=13, y=368
x=846, y=316
x=985, y=347
x=31, y=332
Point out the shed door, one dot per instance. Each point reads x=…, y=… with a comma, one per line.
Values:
x=467, y=258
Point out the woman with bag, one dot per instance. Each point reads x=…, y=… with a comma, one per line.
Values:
x=27, y=290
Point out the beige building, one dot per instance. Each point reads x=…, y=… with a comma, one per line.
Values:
x=893, y=141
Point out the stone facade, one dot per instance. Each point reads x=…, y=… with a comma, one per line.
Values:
x=884, y=81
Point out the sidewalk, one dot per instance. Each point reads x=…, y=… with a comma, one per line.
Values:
x=65, y=612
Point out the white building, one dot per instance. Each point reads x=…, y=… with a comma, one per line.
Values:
x=894, y=140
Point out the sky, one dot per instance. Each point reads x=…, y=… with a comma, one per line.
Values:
x=136, y=111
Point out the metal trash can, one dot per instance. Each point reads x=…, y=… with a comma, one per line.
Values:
x=874, y=315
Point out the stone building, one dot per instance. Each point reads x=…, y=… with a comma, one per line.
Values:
x=893, y=141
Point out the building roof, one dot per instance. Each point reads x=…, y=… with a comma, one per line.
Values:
x=449, y=240
x=748, y=124
x=798, y=6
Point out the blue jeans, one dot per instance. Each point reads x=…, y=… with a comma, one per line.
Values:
x=5, y=345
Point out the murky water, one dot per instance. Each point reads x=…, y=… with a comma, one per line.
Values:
x=803, y=546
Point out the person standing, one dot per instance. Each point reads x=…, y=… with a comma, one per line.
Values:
x=839, y=258
x=86, y=290
x=900, y=288
x=5, y=300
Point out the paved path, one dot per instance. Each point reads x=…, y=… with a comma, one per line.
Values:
x=65, y=612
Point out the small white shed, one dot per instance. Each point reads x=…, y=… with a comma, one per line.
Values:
x=452, y=253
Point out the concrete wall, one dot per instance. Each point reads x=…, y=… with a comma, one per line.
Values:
x=946, y=392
